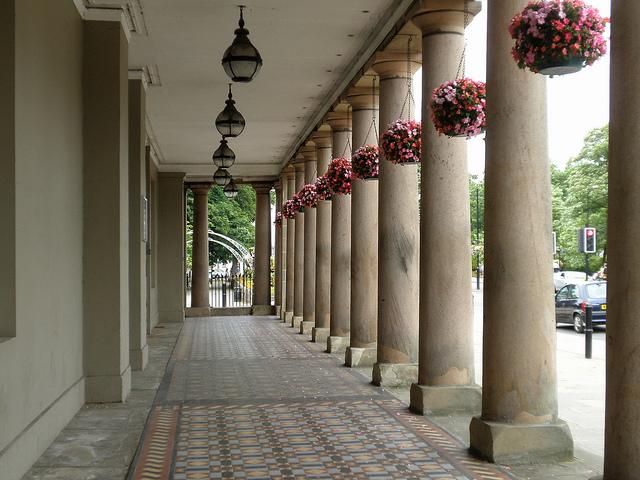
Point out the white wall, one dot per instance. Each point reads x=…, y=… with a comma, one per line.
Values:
x=41, y=369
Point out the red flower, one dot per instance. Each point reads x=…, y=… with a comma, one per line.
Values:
x=366, y=162
x=402, y=142
x=339, y=176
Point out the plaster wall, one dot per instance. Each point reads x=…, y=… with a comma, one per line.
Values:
x=41, y=368
x=153, y=245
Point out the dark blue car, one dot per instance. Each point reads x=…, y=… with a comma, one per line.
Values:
x=572, y=301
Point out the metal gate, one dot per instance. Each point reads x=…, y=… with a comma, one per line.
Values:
x=231, y=290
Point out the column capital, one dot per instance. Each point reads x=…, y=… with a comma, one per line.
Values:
x=339, y=119
x=434, y=17
x=402, y=57
x=201, y=188
x=299, y=166
x=262, y=187
x=363, y=98
x=322, y=136
x=309, y=152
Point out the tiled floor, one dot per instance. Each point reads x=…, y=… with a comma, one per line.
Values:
x=244, y=397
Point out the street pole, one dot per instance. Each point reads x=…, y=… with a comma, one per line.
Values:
x=477, y=237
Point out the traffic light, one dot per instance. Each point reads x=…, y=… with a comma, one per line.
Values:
x=588, y=240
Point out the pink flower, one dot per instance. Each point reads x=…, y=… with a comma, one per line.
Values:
x=366, y=162
x=402, y=142
x=339, y=176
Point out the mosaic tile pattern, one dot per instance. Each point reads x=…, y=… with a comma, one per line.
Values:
x=276, y=379
x=248, y=398
x=239, y=338
x=357, y=440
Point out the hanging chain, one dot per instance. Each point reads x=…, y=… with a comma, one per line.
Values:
x=373, y=125
x=408, y=99
x=347, y=146
x=463, y=60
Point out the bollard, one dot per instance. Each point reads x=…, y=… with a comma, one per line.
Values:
x=588, y=332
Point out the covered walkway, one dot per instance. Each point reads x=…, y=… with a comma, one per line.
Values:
x=244, y=397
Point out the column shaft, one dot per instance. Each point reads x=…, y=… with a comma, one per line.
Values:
x=298, y=299
x=309, y=307
x=446, y=379
x=364, y=237
x=200, y=250
x=398, y=247
x=291, y=243
x=283, y=250
x=320, y=332
x=622, y=435
x=262, y=268
x=340, y=252
x=519, y=339
x=277, y=276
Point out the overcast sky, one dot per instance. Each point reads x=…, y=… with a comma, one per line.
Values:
x=577, y=103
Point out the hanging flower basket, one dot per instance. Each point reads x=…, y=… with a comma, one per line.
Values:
x=366, y=162
x=402, y=142
x=457, y=108
x=278, y=220
x=558, y=37
x=323, y=189
x=308, y=195
x=339, y=175
x=296, y=201
x=289, y=209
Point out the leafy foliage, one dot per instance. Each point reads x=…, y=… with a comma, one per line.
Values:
x=580, y=198
x=234, y=218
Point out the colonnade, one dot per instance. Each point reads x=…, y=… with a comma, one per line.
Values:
x=387, y=282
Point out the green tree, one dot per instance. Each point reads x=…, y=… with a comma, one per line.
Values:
x=476, y=197
x=580, y=198
x=234, y=218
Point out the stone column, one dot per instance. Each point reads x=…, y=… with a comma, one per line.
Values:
x=320, y=332
x=364, y=232
x=309, y=301
x=519, y=421
x=277, y=277
x=340, y=122
x=138, y=294
x=200, y=251
x=262, y=266
x=298, y=289
x=398, y=233
x=283, y=250
x=106, y=208
x=291, y=244
x=446, y=374
x=622, y=436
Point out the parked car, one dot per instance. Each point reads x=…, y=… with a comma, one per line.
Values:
x=573, y=299
x=560, y=279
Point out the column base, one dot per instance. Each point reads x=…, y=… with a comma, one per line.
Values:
x=306, y=327
x=337, y=344
x=262, y=310
x=319, y=335
x=139, y=358
x=295, y=323
x=288, y=317
x=360, y=357
x=515, y=444
x=278, y=311
x=395, y=374
x=446, y=400
x=108, y=388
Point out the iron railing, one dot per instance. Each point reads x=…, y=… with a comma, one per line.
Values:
x=231, y=290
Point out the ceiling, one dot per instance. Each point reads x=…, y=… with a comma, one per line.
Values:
x=311, y=49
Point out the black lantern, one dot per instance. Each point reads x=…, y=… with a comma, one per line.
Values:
x=222, y=177
x=230, y=122
x=223, y=156
x=241, y=61
x=231, y=191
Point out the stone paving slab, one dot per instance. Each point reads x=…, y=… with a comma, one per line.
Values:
x=249, y=398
